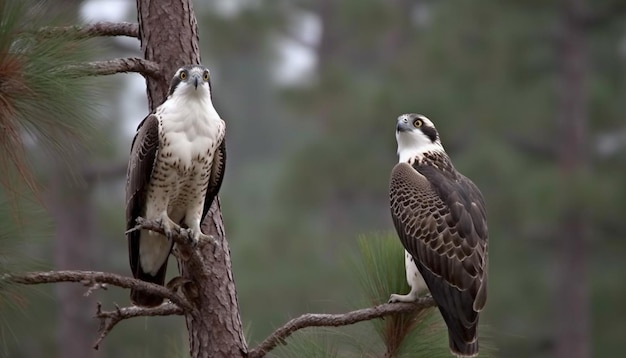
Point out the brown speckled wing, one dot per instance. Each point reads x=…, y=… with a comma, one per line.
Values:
x=217, y=175
x=441, y=220
x=142, y=156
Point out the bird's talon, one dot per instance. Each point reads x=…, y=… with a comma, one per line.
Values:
x=394, y=298
x=210, y=238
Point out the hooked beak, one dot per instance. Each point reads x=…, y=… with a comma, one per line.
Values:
x=196, y=80
x=403, y=125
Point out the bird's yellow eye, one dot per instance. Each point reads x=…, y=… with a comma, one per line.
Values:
x=205, y=76
x=183, y=75
x=417, y=123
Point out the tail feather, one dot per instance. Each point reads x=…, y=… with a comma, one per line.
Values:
x=144, y=299
x=460, y=347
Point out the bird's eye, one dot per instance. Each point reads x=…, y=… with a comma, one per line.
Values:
x=183, y=75
x=417, y=123
x=205, y=76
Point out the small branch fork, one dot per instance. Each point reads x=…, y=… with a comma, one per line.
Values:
x=335, y=320
x=94, y=277
x=108, y=319
x=98, y=280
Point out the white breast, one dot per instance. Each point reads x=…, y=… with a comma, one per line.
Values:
x=191, y=128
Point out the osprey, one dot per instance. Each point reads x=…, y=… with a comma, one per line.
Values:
x=175, y=171
x=441, y=219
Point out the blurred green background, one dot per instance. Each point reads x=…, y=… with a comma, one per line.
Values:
x=529, y=99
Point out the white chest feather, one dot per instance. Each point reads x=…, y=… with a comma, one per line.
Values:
x=189, y=130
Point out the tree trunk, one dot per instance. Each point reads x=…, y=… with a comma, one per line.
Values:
x=169, y=36
x=572, y=295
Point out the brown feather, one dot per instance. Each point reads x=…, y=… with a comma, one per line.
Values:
x=144, y=150
x=217, y=175
x=441, y=220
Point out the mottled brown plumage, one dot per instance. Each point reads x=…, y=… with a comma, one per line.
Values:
x=175, y=172
x=441, y=220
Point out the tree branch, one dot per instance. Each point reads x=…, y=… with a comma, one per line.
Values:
x=90, y=277
x=336, y=320
x=92, y=30
x=108, y=319
x=118, y=65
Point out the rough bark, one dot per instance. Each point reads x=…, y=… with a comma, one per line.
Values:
x=169, y=36
x=214, y=328
x=572, y=289
x=168, y=31
x=118, y=65
x=92, y=30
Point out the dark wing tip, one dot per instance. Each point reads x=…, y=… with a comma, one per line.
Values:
x=143, y=299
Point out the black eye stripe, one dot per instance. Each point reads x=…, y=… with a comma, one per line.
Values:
x=176, y=80
x=430, y=132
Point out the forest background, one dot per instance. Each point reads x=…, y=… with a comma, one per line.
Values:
x=310, y=91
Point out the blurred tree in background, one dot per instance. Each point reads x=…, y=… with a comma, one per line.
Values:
x=311, y=148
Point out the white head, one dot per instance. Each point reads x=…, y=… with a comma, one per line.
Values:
x=416, y=135
x=193, y=80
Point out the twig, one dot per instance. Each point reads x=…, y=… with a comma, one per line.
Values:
x=92, y=30
x=335, y=320
x=35, y=278
x=108, y=319
x=118, y=65
x=93, y=286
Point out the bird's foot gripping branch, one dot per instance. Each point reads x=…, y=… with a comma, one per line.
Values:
x=180, y=235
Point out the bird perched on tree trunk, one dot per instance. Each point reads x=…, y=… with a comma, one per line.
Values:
x=175, y=171
x=441, y=219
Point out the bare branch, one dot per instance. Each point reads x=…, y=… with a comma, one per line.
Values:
x=118, y=65
x=35, y=278
x=92, y=30
x=108, y=319
x=336, y=320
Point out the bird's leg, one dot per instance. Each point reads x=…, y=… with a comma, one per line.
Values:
x=414, y=279
x=409, y=297
x=192, y=220
x=168, y=225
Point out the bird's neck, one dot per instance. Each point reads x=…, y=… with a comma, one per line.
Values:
x=436, y=159
x=410, y=153
x=190, y=106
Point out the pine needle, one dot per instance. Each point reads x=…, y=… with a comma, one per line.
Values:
x=42, y=104
x=381, y=272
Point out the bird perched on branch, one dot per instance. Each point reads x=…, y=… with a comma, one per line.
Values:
x=441, y=219
x=175, y=171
